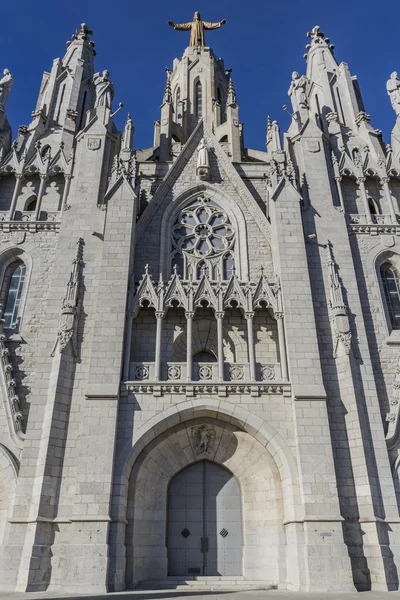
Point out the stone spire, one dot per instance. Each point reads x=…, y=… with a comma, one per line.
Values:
x=127, y=137
x=268, y=133
x=231, y=97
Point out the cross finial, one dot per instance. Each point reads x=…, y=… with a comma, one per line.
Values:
x=146, y=269
x=317, y=37
x=82, y=34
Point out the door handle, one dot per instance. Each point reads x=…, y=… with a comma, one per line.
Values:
x=204, y=544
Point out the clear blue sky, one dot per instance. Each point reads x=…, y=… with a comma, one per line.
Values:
x=263, y=43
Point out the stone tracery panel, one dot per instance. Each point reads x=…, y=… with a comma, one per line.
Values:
x=203, y=241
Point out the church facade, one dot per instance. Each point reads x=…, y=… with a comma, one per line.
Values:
x=199, y=371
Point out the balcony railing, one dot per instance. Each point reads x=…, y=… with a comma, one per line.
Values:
x=206, y=372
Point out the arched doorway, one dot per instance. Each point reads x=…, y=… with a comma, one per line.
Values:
x=204, y=531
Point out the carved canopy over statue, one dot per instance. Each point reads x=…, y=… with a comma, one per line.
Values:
x=393, y=89
x=297, y=91
x=104, y=89
x=197, y=27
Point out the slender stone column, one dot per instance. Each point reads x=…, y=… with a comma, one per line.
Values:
x=282, y=346
x=43, y=179
x=250, y=345
x=389, y=199
x=339, y=190
x=361, y=183
x=15, y=195
x=66, y=191
x=128, y=341
x=220, y=324
x=157, y=369
x=189, y=345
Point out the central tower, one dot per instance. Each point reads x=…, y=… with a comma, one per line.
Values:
x=198, y=87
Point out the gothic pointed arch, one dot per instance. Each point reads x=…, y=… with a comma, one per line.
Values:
x=244, y=443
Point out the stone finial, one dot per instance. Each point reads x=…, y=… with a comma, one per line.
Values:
x=128, y=133
x=268, y=133
x=168, y=89
x=231, y=98
x=82, y=34
x=318, y=39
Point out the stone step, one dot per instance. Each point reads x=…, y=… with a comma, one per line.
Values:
x=220, y=583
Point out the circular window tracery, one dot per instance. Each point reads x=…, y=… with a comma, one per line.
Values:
x=203, y=242
x=203, y=230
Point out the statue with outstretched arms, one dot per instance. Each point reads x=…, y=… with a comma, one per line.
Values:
x=196, y=28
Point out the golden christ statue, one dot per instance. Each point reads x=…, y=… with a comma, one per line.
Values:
x=197, y=27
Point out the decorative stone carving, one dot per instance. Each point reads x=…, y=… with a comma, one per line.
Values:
x=69, y=306
x=338, y=309
x=228, y=354
x=205, y=372
x=203, y=162
x=9, y=380
x=362, y=117
x=174, y=372
x=5, y=88
x=5, y=130
x=392, y=415
x=393, y=89
x=297, y=91
x=204, y=438
x=142, y=372
x=236, y=372
x=104, y=89
x=268, y=373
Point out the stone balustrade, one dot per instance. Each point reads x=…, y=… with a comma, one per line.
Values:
x=205, y=371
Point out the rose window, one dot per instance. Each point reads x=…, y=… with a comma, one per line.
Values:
x=203, y=230
x=203, y=241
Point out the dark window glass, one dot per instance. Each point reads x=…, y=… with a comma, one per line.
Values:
x=13, y=298
x=199, y=100
x=390, y=280
x=177, y=261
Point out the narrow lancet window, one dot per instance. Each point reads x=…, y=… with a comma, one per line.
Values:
x=199, y=100
x=390, y=281
x=14, y=280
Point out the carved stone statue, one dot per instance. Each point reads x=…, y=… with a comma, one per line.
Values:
x=297, y=91
x=393, y=89
x=204, y=437
x=5, y=129
x=104, y=89
x=197, y=27
x=203, y=162
x=202, y=157
x=5, y=87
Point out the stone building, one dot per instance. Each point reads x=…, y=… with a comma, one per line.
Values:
x=200, y=342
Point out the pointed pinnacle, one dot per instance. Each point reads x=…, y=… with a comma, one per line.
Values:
x=231, y=98
x=168, y=90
